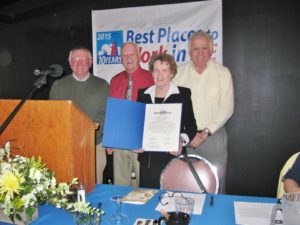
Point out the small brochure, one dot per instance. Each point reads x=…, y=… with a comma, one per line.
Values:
x=139, y=196
x=133, y=125
x=143, y=221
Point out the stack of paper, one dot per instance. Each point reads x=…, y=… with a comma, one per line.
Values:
x=253, y=213
x=139, y=196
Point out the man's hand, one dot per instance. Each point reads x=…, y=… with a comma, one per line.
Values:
x=138, y=150
x=199, y=139
x=291, y=185
x=109, y=151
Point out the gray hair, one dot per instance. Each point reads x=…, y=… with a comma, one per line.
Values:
x=80, y=48
x=200, y=35
x=131, y=43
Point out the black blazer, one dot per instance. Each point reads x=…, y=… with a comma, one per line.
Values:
x=188, y=121
x=153, y=163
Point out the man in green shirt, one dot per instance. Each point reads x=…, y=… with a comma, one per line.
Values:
x=89, y=93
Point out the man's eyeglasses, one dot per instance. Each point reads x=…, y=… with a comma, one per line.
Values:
x=79, y=59
x=165, y=197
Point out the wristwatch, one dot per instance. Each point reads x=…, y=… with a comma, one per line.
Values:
x=206, y=130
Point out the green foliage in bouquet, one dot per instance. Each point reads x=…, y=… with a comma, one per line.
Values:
x=26, y=183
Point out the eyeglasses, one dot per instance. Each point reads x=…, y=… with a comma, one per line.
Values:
x=165, y=197
x=80, y=59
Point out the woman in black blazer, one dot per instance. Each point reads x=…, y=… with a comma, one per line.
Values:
x=163, y=68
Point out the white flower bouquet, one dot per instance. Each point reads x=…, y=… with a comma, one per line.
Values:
x=25, y=183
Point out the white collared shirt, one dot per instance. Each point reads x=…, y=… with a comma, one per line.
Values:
x=173, y=89
x=212, y=93
x=76, y=78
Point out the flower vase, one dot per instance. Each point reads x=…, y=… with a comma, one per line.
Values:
x=25, y=219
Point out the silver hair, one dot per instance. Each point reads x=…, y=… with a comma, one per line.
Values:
x=80, y=48
x=200, y=35
x=132, y=43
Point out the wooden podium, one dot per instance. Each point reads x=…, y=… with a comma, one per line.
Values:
x=58, y=132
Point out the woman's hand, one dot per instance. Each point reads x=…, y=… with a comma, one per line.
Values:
x=178, y=152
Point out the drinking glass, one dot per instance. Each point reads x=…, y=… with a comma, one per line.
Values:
x=118, y=218
x=185, y=205
x=290, y=208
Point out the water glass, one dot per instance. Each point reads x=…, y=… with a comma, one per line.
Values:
x=118, y=218
x=290, y=208
x=184, y=204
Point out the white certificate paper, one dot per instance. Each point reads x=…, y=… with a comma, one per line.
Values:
x=162, y=127
x=133, y=125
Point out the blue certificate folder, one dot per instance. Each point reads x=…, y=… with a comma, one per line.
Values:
x=124, y=124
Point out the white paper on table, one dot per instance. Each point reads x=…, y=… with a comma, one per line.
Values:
x=253, y=213
x=199, y=200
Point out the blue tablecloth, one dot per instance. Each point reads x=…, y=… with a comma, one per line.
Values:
x=221, y=213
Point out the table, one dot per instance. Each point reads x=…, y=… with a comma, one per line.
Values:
x=222, y=212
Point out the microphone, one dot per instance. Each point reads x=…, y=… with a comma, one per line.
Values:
x=54, y=70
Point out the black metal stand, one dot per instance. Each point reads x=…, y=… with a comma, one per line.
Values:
x=194, y=172
x=39, y=82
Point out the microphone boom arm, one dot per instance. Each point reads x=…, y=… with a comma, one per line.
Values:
x=40, y=81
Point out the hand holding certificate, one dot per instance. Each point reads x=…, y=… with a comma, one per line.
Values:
x=133, y=125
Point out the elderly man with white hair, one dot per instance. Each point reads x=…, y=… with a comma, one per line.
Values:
x=213, y=101
x=89, y=93
x=125, y=85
